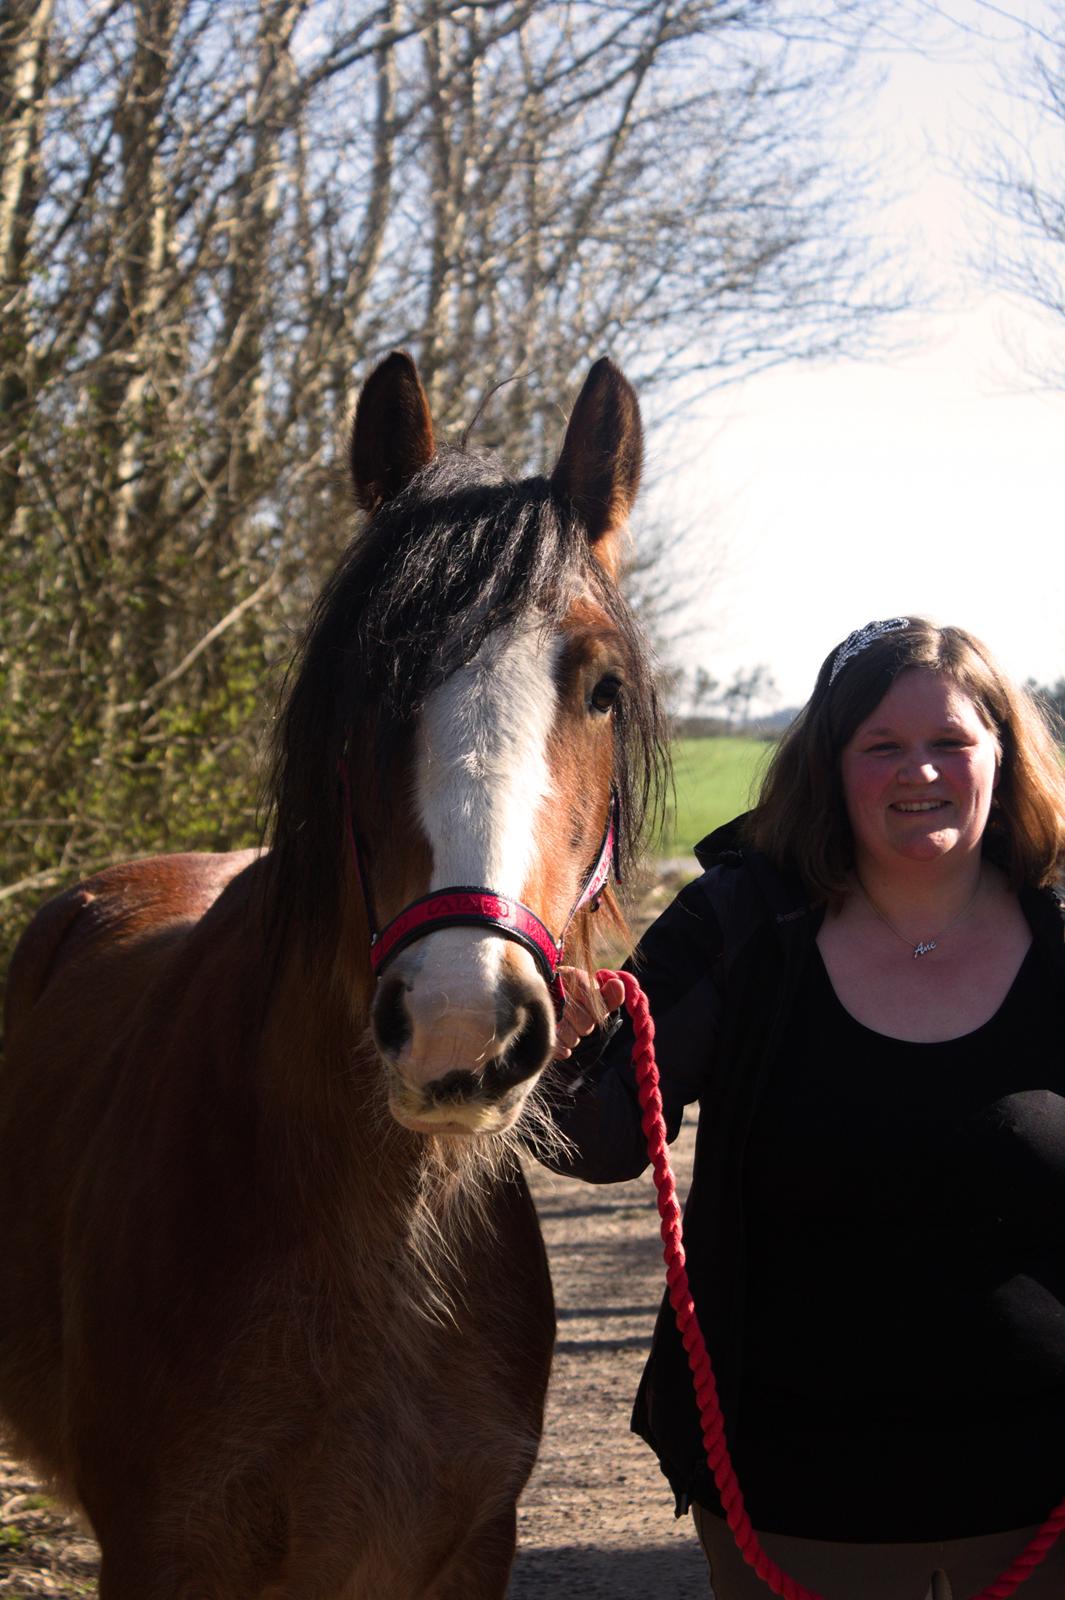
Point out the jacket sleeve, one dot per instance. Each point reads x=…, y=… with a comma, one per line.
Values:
x=597, y=1111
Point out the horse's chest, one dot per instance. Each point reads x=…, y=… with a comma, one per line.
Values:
x=418, y=1422
x=431, y=1371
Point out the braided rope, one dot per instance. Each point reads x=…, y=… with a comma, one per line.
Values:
x=717, y=1454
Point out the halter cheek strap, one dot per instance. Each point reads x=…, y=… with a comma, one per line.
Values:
x=465, y=906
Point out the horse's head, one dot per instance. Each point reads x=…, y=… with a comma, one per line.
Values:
x=501, y=699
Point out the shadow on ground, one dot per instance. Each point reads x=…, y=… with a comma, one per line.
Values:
x=669, y=1571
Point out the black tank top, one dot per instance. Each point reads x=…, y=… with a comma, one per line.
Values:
x=904, y=1367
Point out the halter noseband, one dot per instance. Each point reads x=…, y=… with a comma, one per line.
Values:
x=463, y=906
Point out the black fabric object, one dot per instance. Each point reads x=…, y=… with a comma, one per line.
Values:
x=905, y=1313
x=726, y=968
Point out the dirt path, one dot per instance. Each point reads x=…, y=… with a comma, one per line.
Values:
x=42, y=1551
x=596, y=1520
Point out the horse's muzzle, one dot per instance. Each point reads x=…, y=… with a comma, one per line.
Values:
x=464, y=1066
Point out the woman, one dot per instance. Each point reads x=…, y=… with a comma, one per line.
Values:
x=865, y=992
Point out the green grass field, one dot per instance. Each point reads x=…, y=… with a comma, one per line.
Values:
x=715, y=780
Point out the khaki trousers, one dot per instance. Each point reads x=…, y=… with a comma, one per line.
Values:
x=953, y=1570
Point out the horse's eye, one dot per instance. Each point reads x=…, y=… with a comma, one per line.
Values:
x=605, y=693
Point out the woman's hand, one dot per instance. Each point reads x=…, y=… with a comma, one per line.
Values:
x=581, y=1016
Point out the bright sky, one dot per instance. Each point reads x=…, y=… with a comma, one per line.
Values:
x=932, y=483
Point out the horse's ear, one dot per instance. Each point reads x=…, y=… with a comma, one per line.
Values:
x=392, y=436
x=598, y=470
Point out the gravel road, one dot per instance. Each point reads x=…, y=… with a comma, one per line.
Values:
x=596, y=1520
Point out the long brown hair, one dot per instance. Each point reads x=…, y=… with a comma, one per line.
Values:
x=801, y=819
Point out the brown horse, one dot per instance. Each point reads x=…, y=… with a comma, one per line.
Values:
x=274, y=1306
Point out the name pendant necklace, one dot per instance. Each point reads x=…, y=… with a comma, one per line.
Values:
x=923, y=946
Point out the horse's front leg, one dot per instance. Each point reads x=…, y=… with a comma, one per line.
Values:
x=129, y=1573
x=480, y=1567
x=130, y=1578
x=139, y=1564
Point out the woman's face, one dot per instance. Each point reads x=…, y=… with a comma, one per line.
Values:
x=919, y=774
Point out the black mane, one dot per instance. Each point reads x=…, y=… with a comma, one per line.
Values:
x=464, y=550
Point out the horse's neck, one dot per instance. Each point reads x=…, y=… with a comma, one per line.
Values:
x=321, y=1068
x=322, y=1094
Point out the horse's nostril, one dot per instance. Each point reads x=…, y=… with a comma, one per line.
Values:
x=390, y=1017
x=527, y=1050
x=454, y=1088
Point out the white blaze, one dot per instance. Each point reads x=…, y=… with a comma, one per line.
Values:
x=482, y=774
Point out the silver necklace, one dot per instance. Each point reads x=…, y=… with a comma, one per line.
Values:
x=923, y=946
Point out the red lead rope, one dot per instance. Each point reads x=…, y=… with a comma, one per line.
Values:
x=643, y=1060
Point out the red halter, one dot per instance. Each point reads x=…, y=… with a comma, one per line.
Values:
x=462, y=906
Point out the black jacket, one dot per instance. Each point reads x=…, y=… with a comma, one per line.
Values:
x=721, y=968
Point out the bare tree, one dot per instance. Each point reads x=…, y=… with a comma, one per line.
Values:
x=1021, y=177
x=216, y=213
x=703, y=691
x=24, y=33
x=748, y=685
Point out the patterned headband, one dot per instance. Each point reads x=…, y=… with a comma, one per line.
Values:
x=861, y=639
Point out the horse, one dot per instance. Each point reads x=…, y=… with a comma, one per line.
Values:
x=275, y=1310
